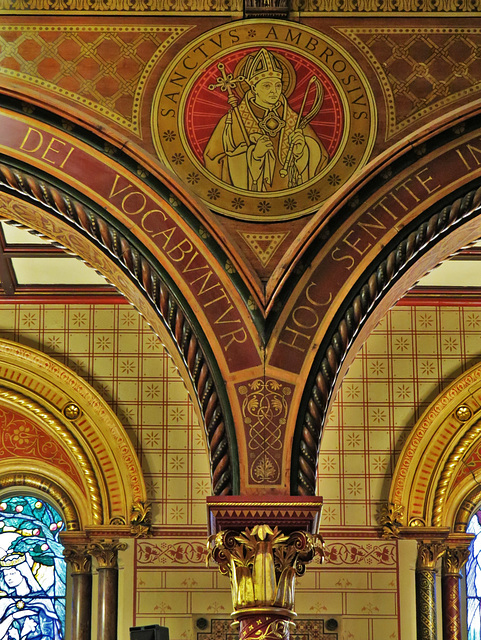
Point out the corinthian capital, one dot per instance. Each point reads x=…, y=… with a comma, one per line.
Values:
x=262, y=564
x=454, y=559
x=79, y=558
x=428, y=554
x=106, y=552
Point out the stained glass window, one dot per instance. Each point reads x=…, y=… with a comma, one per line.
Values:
x=32, y=570
x=473, y=579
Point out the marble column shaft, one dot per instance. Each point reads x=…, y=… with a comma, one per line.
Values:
x=453, y=561
x=81, y=564
x=106, y=555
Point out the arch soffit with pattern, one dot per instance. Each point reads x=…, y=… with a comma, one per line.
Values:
x=406, y=249
x=85, y=223
x=437, y=477
x=60, y=437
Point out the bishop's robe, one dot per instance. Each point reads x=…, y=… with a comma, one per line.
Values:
x=229, y=156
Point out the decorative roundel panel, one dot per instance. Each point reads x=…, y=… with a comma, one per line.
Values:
x=263, y=120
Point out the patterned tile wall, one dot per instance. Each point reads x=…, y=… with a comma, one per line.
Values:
x=411, y=356
x=114, y=350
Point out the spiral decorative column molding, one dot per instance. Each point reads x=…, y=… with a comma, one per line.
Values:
x=453, y=561
x=428, y=555
x=80, y=561
x=149, y=281
x=389, y=270
x=262, y=564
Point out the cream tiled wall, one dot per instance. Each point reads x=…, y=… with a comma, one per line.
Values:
x=406, y=362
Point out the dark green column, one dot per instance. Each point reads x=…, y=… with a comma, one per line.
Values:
x=428, y=555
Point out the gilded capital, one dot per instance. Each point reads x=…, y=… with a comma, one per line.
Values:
x=454, y=559
x=262, y=564
x=79, y=558
x=428, y=555
x=106, y=552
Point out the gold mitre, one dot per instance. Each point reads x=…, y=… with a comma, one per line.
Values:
x=12, y=560
x=261, y=65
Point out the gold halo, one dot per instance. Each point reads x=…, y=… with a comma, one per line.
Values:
x=288, y=75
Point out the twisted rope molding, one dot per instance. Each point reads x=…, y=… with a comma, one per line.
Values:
x=389, y=270
x=150, y=283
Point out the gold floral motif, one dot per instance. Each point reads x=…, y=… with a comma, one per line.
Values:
x=390, y=518
x=262, y=564
x=463, y=413
x=71, y=411
x=140, y=519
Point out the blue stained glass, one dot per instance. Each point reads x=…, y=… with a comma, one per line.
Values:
x=473, y=579
x=32, y=570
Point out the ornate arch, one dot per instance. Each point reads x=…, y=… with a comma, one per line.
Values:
x=435, y=229
x=60, y=437
x=437, y=477
x=53, y=208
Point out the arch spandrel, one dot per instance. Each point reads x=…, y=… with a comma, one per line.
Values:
x=100, y=474
x=339, y=312
x=434, y=476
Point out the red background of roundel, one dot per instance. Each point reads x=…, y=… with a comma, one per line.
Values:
x=204, y=107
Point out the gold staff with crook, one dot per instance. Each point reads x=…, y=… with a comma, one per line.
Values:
x=303, y=121
x=227, y=83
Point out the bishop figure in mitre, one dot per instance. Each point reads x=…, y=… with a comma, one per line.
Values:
x=259, y=144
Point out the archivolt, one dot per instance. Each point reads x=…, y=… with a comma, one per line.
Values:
x=437, y=478
x=382, y=278
x=147, y=279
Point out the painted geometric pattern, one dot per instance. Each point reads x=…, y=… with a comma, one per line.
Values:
x=421, y=70
x=409, y=358
x=114, y=350
x=102, y=68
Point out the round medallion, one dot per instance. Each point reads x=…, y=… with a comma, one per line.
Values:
x=263, y=119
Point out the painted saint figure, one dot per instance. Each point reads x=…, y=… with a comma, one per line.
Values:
x=262, y=144
x=26, y=610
